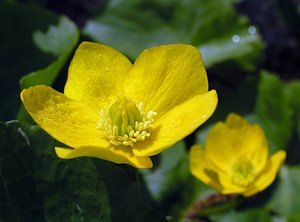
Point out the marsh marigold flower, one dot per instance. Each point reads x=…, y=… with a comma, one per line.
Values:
x=235, y=159
x=123, y=112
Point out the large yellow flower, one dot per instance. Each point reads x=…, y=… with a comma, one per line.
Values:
x=235, y=159
x=123, y=112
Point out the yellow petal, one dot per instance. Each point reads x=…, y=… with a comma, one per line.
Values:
x=177, y=124
x=268, y=175
x=96, y=75
x=113, y=154
x=165, y=76
x=66, y=120
x=201, y=168
x=237, y=139
x=234, y=120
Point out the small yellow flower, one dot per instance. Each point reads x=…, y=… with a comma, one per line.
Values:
x=235, y=159
x=123, y=112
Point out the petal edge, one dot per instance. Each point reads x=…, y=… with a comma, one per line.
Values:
x=109, y=154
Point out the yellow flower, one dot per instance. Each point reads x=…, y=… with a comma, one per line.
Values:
x=123, y=112
x=235, y=159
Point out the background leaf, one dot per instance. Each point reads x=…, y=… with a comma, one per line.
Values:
x=25, y=49
x=37, y=186
x=59, y=40
x=217, y=30
x=285, y=201
x=258, y=215
x=273, y=111
x=293, y=91
x=171, y=181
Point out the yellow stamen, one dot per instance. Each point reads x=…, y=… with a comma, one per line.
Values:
x=242, y=172
x=125, y=122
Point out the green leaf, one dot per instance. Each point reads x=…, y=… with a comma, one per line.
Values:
x=273, y=111
x=239, y=45
x=37, y=186
x=250, y=215
x=59, y=40
x=170, y=182
x=160, y=178
x=293, y=91
x=27, y=47
x=218, y=31
x=285, y=201
x=214, y=27
x=129, y=28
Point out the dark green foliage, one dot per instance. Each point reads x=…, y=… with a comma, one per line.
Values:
x=37, y=186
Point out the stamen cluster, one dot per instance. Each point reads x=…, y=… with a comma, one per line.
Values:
x=242, y=172
x=126, y=122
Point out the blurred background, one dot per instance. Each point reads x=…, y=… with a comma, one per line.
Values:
x=277, y=22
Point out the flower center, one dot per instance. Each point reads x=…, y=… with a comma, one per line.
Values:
x=126, y=122
x=242, y=172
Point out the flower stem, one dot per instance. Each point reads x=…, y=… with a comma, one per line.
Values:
x=212, y=204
